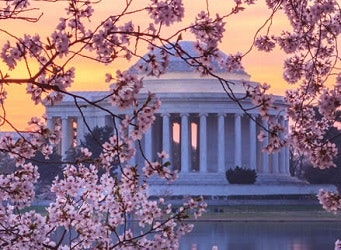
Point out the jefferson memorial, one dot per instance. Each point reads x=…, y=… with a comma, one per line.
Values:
x=204, y=132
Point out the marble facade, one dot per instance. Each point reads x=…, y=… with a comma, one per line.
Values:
x=203, y=130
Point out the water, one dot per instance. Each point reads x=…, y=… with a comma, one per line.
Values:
x=263, y=236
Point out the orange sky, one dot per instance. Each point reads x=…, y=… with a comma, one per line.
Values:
x=240, y=30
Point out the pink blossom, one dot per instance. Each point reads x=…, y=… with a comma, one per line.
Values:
x=166, y=12
x=207, y=30
x=10, y=55
x=90, y=201
x=264, y=43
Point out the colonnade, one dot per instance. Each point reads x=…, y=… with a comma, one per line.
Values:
x=222, y=141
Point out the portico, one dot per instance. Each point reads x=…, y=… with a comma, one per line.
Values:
x=203, y=131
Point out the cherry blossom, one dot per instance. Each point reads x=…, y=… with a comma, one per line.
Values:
x=337, y=245
x=10, y=55
x=92, y=204
x=329, y=200
x=231, y=63
x=166, y=12
x=264, y=43
x=208, y=30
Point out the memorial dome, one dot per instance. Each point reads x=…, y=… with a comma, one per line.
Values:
x=181, y=77
x=178, y=64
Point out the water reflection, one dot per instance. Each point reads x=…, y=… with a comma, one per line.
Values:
x=262, y=236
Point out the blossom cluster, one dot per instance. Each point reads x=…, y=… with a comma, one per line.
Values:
x=274, y=131
x=208, y=30
x=309, y=133
x=312, y=54
x=125, y=95
x=155, y=62
x=330, y=201
x=125, y=89
x=111, y=40
x=94, y=207
x=97, y=207
x=260, y=98
x=265, y=43
x=160, y=168
x=15, y=9
x=30, y=234
x=116, y=149
x=337, y=245
x=78, y=10
x=328, y=103
x=166, y=12
x=312, y=107
x=39, y=139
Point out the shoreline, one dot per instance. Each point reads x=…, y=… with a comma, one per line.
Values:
x=266, y=220
x=258, y=211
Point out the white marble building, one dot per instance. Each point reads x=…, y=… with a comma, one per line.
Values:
x=203, y=130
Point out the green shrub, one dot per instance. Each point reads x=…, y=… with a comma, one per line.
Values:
x=241, y=176
x=322, y=176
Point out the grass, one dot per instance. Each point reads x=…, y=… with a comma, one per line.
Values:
x=256, y=213
x=39, y=209
x=269, y=213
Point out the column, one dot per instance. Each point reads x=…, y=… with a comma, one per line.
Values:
x=282, y=151
x=65, y=136
x=116, y=122
x=282, y=162
x=71, y=132
x=148, y=143
x=265, y=155
x=203, y=143
x=221, y=143
x=80, y=129
x=274, y=163
x=253, y=142
x=184, y=143
x=100, y=120
x=90, y=121
x=166, y=134
x=275, y=168
x=237, y=140
x=287, y=153
x=282, y=155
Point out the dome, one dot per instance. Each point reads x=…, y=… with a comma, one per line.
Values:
x=180, y=77
x=179, y=65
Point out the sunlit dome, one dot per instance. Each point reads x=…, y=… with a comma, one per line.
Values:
x=180, y=77
x=178, y=64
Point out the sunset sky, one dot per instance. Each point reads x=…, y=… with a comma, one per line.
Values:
x=240, y=30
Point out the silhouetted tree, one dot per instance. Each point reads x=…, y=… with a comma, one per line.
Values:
x=48, y=168
x=93, y=141
x=329, y=175
x=7, y=164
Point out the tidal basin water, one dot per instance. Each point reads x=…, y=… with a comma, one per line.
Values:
x=263, y=236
